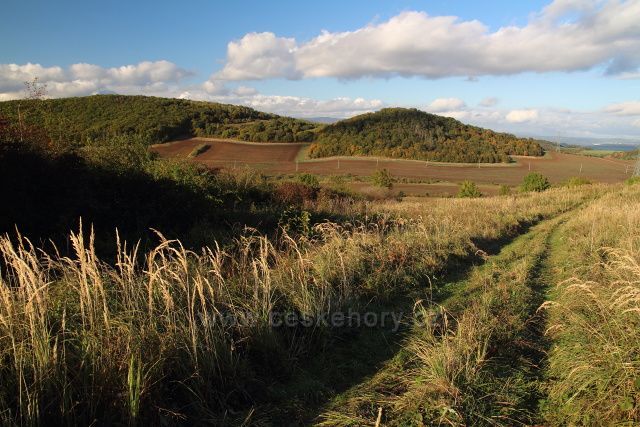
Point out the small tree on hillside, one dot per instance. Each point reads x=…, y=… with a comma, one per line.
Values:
x=535, y=181
x=382, y=178
x=34, y=89
x=309, y=179
x=469, y=189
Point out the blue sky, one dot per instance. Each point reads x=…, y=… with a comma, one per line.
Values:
x=567, y=67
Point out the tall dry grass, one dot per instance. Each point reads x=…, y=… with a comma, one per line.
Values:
x=594, y=364
x=139, y=340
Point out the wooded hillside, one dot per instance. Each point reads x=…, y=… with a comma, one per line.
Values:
x=414, y=134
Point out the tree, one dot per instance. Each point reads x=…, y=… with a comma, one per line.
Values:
x=309, y=179
x=382, y=178
x=469, y=189
x=35, y=89
x=535, y=181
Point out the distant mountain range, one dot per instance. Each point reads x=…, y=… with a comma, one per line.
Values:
x=622, y=144
x=325, y=120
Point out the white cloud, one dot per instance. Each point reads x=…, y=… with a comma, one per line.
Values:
x=520, y=116
x=143, y=73
x=489, y=101
x=308, y=107
x=446, y=104
x=245, y=91
x=215, y=87
x=13, y=76
x=84, y=79
x=456, y=114
x=260, y=55
x=629, y=108
x=567, y=35
x=636, y=123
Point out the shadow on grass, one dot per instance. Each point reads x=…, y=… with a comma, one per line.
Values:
x=355, y=354
x=45, y=196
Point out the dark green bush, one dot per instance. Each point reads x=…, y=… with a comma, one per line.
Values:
x=294, y=220
x=382, y=178
x=534, y=181
x=469, y=189
x=309, y=179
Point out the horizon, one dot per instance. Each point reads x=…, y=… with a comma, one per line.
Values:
x=561, y=69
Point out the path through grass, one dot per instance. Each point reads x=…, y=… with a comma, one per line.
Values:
x=480, y=362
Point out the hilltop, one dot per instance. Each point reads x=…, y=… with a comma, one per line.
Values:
x=414, y=134
x=81, y=120
x=390, y=132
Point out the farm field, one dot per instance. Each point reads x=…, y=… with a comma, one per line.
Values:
x=281, y=158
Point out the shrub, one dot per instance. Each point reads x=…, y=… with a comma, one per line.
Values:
x=505, y=190
x=200, y=148
x=338, y=183
x=294, y=193
x=293, y=220
x=469, y=189
x=576, y=181
x=309, y=179
x=534, y=181
x=633, y=180
x=382, y=178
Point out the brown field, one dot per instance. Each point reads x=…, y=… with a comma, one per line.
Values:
x=280, y=158
x=229, y=151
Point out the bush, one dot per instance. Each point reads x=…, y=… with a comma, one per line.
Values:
x=309, y=179
x=633, y=180
x=382, y=178
x=295, y=221
x=534, y=181
x=294, y=193
x=201, y=148
x=576, y=181
x=505, y=190
x=338, y=183
x=469, y=189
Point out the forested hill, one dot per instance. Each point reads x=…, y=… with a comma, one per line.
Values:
x=414, y=134
x=100, y=117
x=391, y=132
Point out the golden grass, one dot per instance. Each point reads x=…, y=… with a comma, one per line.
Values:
x=594, y=367
x=140, y=338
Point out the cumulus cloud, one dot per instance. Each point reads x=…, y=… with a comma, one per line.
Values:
x=446, y=104
x=629, y=108
x=296, y=106
x=245, y=91
x=567, y=35
x=520, y=116
x=260, y=55
x=85, y=79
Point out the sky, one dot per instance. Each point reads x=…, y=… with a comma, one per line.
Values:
x=567, y=68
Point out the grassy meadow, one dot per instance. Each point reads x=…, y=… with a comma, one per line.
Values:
x=138, y=290
x=139, y=339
